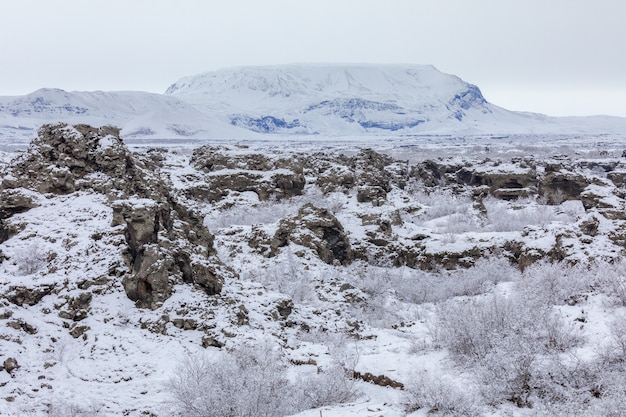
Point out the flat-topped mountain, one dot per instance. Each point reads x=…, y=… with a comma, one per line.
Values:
x=331, y=99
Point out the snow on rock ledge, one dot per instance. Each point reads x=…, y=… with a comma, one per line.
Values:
x=165, y=242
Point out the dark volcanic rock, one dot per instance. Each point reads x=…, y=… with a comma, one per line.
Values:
x=13, y=201
x=20, y=295
x=10, y=365
x=318, y=229
x=267, y=177
x=62, y=155
x=166, y=241
x=370, y=170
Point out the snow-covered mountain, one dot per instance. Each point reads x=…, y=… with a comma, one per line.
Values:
x=331, y=99
x=328, y=100
x=139, y=114
x=363, y=99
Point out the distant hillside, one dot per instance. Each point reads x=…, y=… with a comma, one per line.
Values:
x=329, y=100
x=140, y=114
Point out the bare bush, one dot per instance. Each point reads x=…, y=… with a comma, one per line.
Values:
x=505, y=340
x=437, y=203
x=613, y=351
x=569, y=386
x=244, y=384
x=612, y=279
x=286, y=276
x=263, y=212
x=331, y=385
x=502, y=217
x=440, y=396
x=482, y=276
x=253, y=383
x=417, y=287
x=62, y=408
x=272, y=210
x=471, y=329
x=555, y=283
x=31, y=259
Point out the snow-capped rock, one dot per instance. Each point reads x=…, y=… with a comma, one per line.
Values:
x=163, y=237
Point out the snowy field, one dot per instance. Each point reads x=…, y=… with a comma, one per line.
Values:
x=450, y=301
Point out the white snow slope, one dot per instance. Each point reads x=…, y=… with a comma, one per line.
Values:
x=139, y=114
x=330, y=100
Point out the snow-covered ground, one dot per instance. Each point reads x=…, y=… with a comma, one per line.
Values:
x=444, y=307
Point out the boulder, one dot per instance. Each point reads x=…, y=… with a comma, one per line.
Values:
x=20, y=295
x=562, y=186
x=77, y=307
x=374, y=194
x=15, y=200
x=62, y=155
x=279, y=185
x=10, y=365
x=369, y=167
x=166, y=242
x=317, y=229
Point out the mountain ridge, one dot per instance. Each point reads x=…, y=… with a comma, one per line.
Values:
x=297, y=99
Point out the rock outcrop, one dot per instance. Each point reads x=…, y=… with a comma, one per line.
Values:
x=317, y=229
x=225, y=173
x=166, y=241
x=373, y=173
x=521, y=177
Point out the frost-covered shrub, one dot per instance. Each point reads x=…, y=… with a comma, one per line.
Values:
x=330, y=385
x=31, y=259
x=612, y=279
x=271, y=211
x=473, y=328
x=502, y=217
x=613, y=351
x=253, y=383
x=483, y=275
x=440, y=203
x=264, y=212
x=247, y=383
x=555, y=283
x=456, y=223
x=62, y=408
x=505, y=340
x=287, y=276
x=442, y=397
x=418, y=287
x=569, y=386
x=333, y=201
x=470, y=329
x=616, y=287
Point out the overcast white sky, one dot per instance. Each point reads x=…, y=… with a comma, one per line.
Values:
x=559, y=57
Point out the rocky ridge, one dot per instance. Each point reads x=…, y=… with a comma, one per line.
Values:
x=392, y=201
